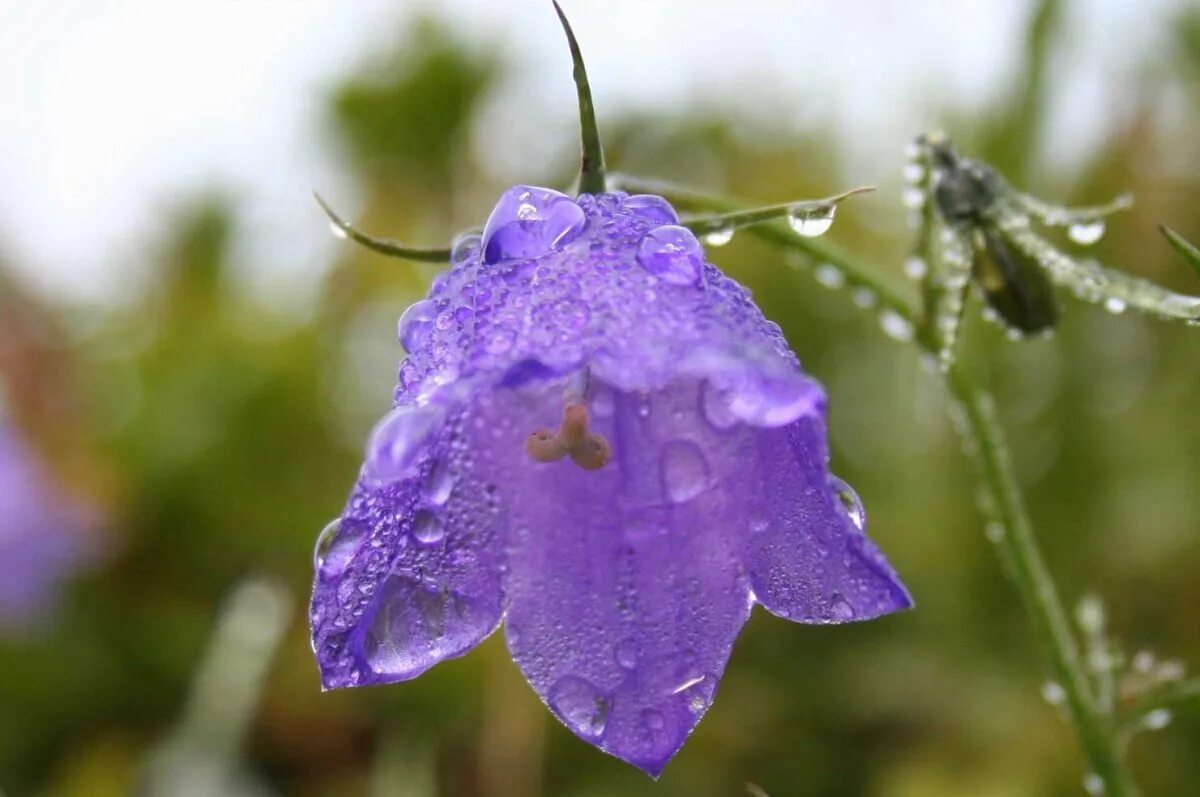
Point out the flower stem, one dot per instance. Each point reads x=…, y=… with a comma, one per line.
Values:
x=1097, y=737
x=384, y=246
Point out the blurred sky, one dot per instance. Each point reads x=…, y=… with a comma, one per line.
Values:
x=113, y=108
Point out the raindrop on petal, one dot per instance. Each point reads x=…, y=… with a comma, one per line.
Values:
x=651, y=208
x=714, y=404
x=416, y=324
x=396, y=441
x=673, y=255
x=428, y=527
x=439, y=483
x=849, y=501
x=335, y=545
x=528, y=222
x=684, y=470
x=812, y=222
x=1086, y=233
x=581, y=705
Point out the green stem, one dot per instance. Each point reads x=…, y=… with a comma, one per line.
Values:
x=385, y=246
x=797, y=210
x=1097, y=737
x=1181, y=245
x=591, y=168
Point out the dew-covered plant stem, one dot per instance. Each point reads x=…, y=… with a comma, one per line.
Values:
x=1098, y=737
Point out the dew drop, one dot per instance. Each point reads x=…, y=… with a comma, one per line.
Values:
x=714, y=405
x=428, y=527
x=464, y=248
x=626, y=653
x=529, y=222
x=416, y=324
x=1086, y=233
x=335, y=546
x=915, y=268
x=673, y=255
x=840, y=609
x=652, y=208
x=913, y=198
x=1093, y=784
x=653, y=719
x=338, y=231
x=684, y=470
x=830, y=276
x=398, y=440
x=864, y=298
x=914, y=172
x=719, y=236
x=812, y=222
x=1157, y=719
x=895, y=326
x=1053, y=693
x=1114, y=305
x=849, y=501
x=581, y=705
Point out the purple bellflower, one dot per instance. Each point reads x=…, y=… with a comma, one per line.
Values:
x=42, y=538
x=599, y=441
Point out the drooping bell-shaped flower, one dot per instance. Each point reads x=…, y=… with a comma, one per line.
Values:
x=42, y=538
x=599, y=442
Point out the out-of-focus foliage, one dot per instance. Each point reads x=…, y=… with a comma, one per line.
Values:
x=221, y=438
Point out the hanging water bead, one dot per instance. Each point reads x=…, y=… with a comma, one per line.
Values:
x=529, y=222
x=673, y=255
x=1086, y=233
x=719, y=236
x=849, y=502
x=812, y=222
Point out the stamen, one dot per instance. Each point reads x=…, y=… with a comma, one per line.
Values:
x=588, y=450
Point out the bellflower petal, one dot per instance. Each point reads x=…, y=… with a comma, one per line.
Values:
x=687, y=479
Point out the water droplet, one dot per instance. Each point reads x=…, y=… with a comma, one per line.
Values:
x=1157, y=719
x=651, y=208
x=338, y=231
x=1089, y=614
x=416, y=324
x=714, y=405
x=673, y=255
x=840, y=609
x=830, y=275
x=719, y=236
x=581, y=705
x=464, y=248
x=1114, y=305
x=685, y=471
x=849, y=501
x=1053, y=693
x=913, y=198
x=1086, y=233
x=994, y=531
x=397, y=441
x=812, y=222
x=428, y=527
x=915, y=268
x=1093, y=784
x=528, y=222
x=895, y=326
x=439, y=484
x=653, y=719
x=626, y=653
x=914, y=172
x=864, y=298
x=335, y=546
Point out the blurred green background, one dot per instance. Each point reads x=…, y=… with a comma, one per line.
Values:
x=218, y=434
